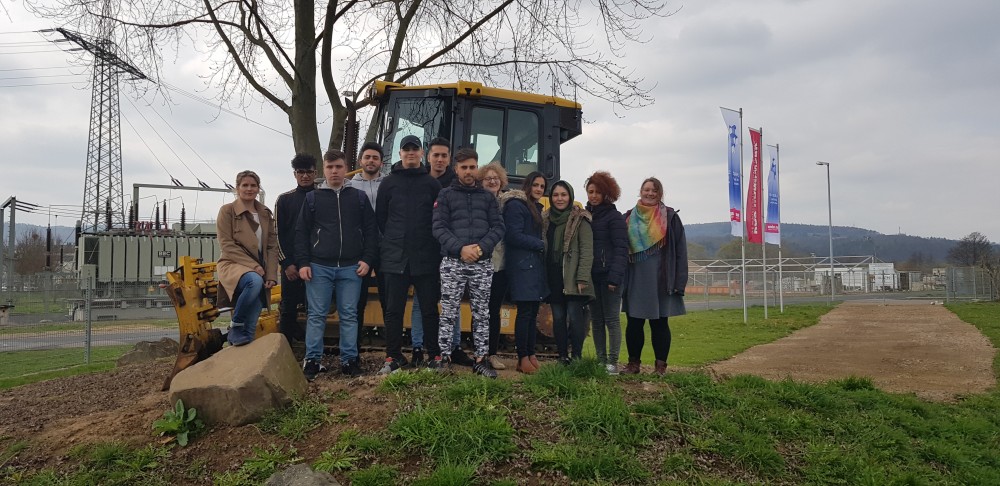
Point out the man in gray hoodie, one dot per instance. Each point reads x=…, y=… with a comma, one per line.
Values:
x=368, y=180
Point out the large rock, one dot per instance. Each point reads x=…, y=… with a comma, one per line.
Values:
x=146, y=351
x=238, y=384
x=301, y=475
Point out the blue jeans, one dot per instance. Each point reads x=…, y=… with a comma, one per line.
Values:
x=417, y=327
x=347, y=284
x=248, y=305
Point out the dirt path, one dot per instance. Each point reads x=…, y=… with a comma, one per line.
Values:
x=902, y=346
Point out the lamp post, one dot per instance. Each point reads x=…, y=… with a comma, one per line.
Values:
x=829, y=209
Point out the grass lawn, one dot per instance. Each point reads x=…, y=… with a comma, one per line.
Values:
x=578, y=424
x=23, y=367
x=703, y=337
x=81, y=326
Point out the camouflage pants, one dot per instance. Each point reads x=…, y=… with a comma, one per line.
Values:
x=456, y=275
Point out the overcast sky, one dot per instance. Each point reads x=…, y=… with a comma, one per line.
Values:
x=900, y=97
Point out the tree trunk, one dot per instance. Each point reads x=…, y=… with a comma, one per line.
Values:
x=302, y=118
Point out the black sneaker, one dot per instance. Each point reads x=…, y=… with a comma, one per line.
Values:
x=441, y=364
x=417, y=359
x=391, y=366
x=352, y=368
x=482, y=367
x=311, y=368
x=460, y=358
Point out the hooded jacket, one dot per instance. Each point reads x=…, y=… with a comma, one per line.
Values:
x=467, y=215
x=610, y=245
x=337, y=228
x=404, y=210
x=523, y=250
x=577, y=252
x=370, y=187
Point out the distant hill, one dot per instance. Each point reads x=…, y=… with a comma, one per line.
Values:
x=804, y=239
x=59, y=233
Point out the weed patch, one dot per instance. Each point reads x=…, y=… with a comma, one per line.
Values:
x=377, y=475
x=258, y=467
x=604, y=415
x=296, y=420
x=180, y=422
x=590, y=460
x=447, y=474
x=449, y=433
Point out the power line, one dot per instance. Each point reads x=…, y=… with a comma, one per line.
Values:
x=35, y=84
x=157, y=133
x=30, y=52
x=147, y=146
x=219, y=107
x=34, y=69
x=43, y=76
x=190, y=147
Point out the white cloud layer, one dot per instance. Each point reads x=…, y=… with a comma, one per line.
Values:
x=900, y=97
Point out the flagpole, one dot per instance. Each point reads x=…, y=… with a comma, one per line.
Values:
x=743, y=240
x=781, y=287
x=763, y=238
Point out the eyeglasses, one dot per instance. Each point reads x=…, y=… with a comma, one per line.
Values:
x=491, y=179
x=304, y=171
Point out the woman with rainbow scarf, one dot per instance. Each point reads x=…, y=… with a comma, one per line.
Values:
x=657, y=275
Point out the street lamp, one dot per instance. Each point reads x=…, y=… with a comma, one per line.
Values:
x=829, y=209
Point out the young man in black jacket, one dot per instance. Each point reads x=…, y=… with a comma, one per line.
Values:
x=336, y=245
x=468, y=226
x=409, y=252
x=286, y=212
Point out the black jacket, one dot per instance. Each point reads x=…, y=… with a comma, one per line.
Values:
x=404, y=209
x=448, y=178
x=286, y=214
x=610, y=245
x=467, y=215
x=523, y=250
x=336, y=228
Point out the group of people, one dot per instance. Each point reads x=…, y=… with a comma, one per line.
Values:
x=449, y=230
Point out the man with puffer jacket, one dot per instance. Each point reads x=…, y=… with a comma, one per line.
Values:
x=336, y=244
x=468, y=226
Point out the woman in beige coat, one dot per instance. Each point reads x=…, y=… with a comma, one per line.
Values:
x=248, y=267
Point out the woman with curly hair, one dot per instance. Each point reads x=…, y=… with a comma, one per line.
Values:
x=610, y=261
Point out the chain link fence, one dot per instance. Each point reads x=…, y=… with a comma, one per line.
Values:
x=51, y=321
x=969, y=284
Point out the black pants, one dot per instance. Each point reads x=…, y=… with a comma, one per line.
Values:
x=428, y=289
x=498, y=293
x=293, y=294
x=569, y=325
x=526, y=328
x=378, y=280
x=635, y=337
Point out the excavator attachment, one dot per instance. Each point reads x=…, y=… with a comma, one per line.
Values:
x=194, y=291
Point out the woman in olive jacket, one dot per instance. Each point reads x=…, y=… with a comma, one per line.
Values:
x=568, y=261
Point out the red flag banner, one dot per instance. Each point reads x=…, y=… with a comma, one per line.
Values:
x=755, y=213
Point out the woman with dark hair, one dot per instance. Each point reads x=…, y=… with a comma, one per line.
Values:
x=657, y=275
x=523, y=258
x=494, y=179
x=610, y=261
x=248, y=266
x=568, y=259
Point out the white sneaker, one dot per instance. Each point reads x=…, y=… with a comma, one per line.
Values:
x=612, y=369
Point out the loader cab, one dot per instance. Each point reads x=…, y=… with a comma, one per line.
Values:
x=521, y=131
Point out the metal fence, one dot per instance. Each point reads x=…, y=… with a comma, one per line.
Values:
x=57, y=320
x=969, y=283
x=51, y=321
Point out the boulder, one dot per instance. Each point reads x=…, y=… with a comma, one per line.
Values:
x=146, y=351
x=301, y=475
x=237, y=385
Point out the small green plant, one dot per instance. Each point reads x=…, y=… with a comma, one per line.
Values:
x=376, y=475
x=179, y=422
x=258, y=467
x=591, y=460
x=295, y=421
x=461, y=434
x=447, y=474
x=336, y=458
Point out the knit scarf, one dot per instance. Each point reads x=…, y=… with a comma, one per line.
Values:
x=647, y=231
x=558, y=219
